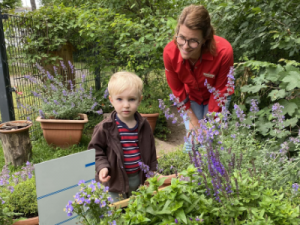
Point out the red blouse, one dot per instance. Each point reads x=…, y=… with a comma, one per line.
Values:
x=183, y=81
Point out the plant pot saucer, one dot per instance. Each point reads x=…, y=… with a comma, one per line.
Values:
x=29, y=123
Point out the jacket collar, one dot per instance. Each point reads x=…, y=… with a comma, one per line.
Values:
x=110, y=123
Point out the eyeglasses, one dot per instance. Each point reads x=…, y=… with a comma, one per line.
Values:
x=191, y=43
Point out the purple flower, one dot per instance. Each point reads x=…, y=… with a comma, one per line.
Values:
x=284, y=148
x=55, y=102
x=83, y=78
x=105, y=93
x=103, y=204
x=113, y=223
x=81, y=182
x=295, y=187
x=239, y=113
x=42, y=114
x=97, y=201
x=106, y=189
x=50, y=77
x=11, y=188
x=94, y=105
x=63, y=65
x=277, y=113
x=69, y=208
x=254, y=107
x=55, y=113
x=99, y=112
x=65, y=93
x=71, y=66
x=53, y=87
x=176, y=221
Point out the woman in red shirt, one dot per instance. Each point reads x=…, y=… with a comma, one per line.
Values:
x=194, y=55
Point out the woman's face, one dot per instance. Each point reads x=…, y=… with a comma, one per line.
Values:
x=188, y=34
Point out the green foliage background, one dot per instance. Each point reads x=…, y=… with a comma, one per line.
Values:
x=130, y=35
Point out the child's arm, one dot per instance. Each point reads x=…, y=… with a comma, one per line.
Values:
x=98, y=142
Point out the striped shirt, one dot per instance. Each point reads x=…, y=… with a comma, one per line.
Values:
x=130, y=146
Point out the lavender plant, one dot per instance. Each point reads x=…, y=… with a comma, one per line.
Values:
x=230, y=153
x=59, y=97
x=92, y=204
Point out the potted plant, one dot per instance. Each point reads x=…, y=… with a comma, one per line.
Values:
x=62, y=106
x=149, y=110
x=18, y=196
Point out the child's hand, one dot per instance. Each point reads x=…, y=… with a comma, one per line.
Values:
x=103, y=175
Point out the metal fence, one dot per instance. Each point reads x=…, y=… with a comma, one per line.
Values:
x=14, y=88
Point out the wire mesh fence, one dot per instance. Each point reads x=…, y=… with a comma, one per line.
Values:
x=15, y=36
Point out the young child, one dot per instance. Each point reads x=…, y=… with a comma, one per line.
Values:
x=124, y=139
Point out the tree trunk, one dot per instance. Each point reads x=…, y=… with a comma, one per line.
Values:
x=17, y=147
x=33, y=5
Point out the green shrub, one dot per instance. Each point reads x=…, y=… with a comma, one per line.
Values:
x=170, y=162
x=23, y=199
x=161, y=128
x=149, y=107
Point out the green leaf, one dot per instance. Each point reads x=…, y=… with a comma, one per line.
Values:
x=252, y=88
x=277, y=94
x=273, y=73
x=289, y=107
x=161, y=181
x=184, y=197
x=290, y=122
x=188, y=210
x=181, y=215
x=293, y=80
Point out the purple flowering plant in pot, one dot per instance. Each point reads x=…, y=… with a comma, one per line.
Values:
x=11, y=208
x=93, y=205
x=62, y=104
x=237, y=172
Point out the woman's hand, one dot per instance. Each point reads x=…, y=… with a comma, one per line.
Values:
x=103, y=175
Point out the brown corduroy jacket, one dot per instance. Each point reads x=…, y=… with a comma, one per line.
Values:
x=109, y=152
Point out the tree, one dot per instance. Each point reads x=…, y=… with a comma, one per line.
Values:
x=33, y=5
x=7, y=5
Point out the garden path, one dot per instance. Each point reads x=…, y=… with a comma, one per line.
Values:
x=175, y=138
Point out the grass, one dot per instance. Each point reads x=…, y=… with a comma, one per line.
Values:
x=42, y=152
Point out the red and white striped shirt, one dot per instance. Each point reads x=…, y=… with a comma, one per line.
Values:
x=130, y=146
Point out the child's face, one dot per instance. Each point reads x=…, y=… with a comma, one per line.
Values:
x=126, y=104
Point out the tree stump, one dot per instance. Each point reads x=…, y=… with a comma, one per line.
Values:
x=16, y=145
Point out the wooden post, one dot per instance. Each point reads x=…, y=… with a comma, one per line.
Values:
x=16, y=145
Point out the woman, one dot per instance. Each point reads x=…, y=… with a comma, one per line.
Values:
x=194, y=55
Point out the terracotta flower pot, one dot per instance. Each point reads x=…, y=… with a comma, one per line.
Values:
x=30, y=221
x=151, y=118
x=63, y=133
x=16, y=142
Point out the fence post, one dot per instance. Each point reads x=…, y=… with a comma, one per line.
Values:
x=97, y=78
x=6, y=99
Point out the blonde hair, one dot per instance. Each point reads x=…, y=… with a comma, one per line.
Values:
x=196, y=17
x=122, y=81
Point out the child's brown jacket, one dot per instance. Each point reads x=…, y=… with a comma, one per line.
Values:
x=109, y=153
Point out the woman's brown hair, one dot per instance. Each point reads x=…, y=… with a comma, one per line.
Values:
x=196, y=17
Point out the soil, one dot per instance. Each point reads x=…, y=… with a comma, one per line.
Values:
x=175, y=139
